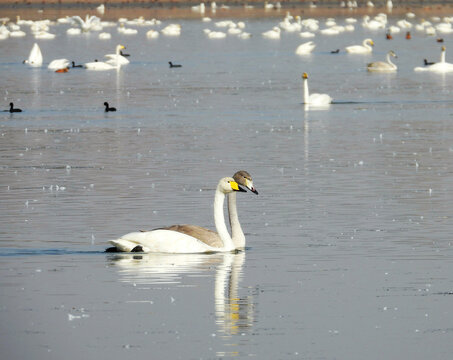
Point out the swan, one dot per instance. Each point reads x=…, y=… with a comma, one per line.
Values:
x=314, y=99
x=58, y=64
x=90, y=22
x=99, y=66
x=35, y=57
x=305, y=48
x=12, y=109
x=117, y=58
x=440, y=67
x=170, y=241
x=381, y=66
x=152, y=34
x=272, y=34
x=365, y=48
x=108, y=108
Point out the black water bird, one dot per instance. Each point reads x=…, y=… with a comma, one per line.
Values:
x=126, y=55
x=335, y=51
x=426, y=62
x=12, y=109
x=174, y=65
x=108, y=108
x=76, y=66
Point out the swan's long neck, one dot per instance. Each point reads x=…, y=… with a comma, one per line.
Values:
x=365, y=44
x=237, y=234
x=219, y=221
x=306, y=94
x=118, y=49
x=390, y=62
x=442, y=56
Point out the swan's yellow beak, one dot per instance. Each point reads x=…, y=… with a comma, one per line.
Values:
x=444, y=48
x=122, y=47
x=234, y=185
x=304, y=76
x=372, y=43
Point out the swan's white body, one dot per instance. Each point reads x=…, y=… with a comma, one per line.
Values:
x=314, y=99
x=90, y=23
x=305, y=48
x=440, y=67
x=99, y=66
x=365, y=48
x=170, y=241
x=117, y=58
x=381, y=66
x=272, y=34
x=58, y=64
x=35, y=57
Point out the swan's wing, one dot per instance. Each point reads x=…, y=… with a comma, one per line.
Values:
x=78, y=20
x=207, y=236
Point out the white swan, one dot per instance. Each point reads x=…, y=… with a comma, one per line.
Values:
x=58, y=64
x=99, y=66
x=35, y=57
x=365, y=48
x=305, y=48
x=440, y=67
x=381, y=66
x=272, y=34
x=171, y=241
x=90, y=23
x=314, y=99
x=117, y=58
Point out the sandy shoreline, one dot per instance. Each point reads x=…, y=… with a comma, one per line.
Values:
x=182, y=10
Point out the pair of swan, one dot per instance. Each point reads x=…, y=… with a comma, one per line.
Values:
x=314, y=99
x=381, y=66
x=191, y=238
x=440, y=67
x=365, y=48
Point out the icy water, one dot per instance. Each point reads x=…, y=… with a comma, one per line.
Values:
x=349, y=250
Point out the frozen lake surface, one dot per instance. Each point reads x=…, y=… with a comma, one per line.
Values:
x=349, y=241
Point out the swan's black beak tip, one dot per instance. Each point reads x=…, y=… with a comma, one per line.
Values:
x=253, y=190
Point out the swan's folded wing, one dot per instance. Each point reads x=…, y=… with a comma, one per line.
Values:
x=207, y=236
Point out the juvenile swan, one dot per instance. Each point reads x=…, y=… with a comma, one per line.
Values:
x=381, y=66
x=170, y=241
x=314, y=99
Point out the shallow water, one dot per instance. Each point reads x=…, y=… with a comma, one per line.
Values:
x=349, y=241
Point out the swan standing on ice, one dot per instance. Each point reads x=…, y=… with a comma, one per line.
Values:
x=35, y=57
x=365, y=48
x=440, y=67
x=173, y=240
x=314, y=99
x=381, y=66
x=305, y=48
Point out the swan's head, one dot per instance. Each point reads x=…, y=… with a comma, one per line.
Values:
x=243, y=178
x=369, y=41
x=444, y=48
x=304, y=76
x=228, y=185
x=392, y=53
x=120, y=47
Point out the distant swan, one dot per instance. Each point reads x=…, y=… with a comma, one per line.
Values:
x=99, y=66
x=365, y=48
x=305, y=48
x=381, y=66
x=169, y=241
x=58, y=64
x=35, y=57
x=108, y=108
x=314, y=99
x=117, y=58
x=12, y=109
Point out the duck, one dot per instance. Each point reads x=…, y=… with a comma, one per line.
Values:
x=427, y=63
x=12, y=109
x=335, y=51
x=35, y=57
x=365, y=48
x=381, y=66
x=76, y=66
x=108, y=108
x=408, y=35
x=167, y=240
x=174, y=65
x=125, y=55
x=314, y=99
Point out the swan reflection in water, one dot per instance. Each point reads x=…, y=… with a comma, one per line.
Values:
x=234, y=314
